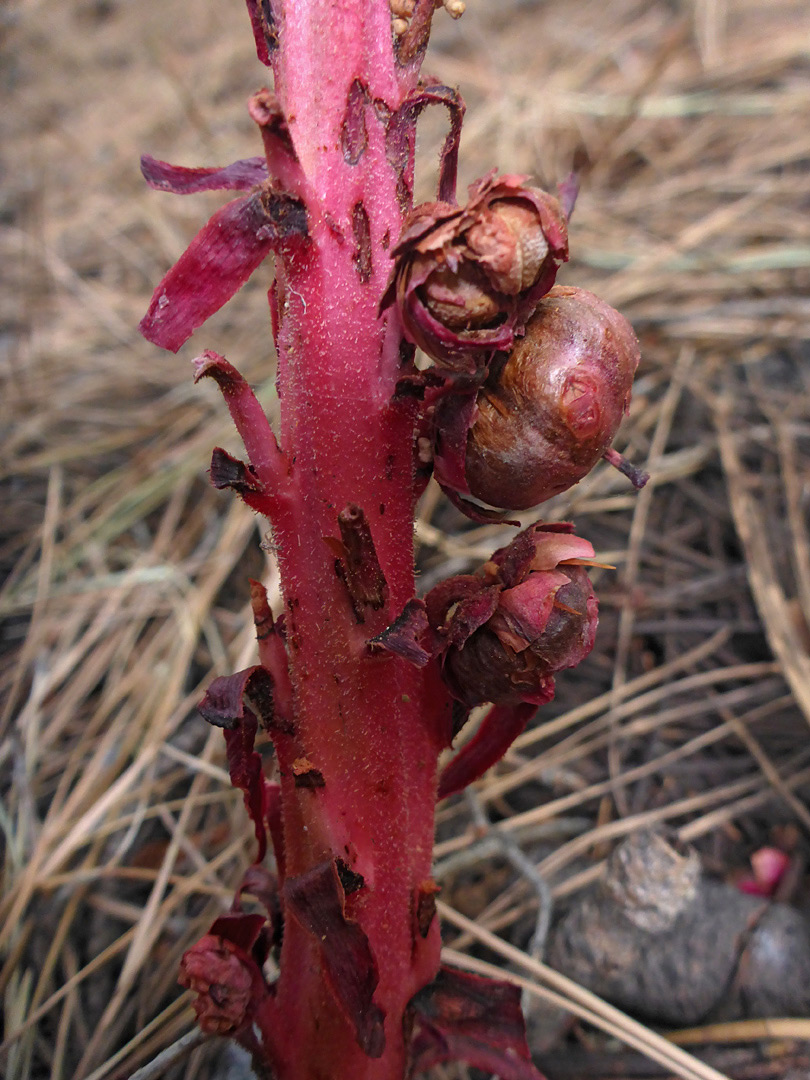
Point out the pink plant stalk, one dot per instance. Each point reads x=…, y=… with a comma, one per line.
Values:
x=359, y=685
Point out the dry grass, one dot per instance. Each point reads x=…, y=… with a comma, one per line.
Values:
x=125, y=575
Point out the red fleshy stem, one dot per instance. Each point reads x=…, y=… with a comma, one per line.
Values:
x=350, y=688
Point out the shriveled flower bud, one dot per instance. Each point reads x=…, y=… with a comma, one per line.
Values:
x=550, y=410
x=530, y=613
x=223, y=978
x=467, y=278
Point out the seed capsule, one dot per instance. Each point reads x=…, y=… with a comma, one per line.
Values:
x=550, y=409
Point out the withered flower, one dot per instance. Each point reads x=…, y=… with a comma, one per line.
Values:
x=224, y=968
x=529, y=613
x=223, y=979
x=551, y=408
x=467, y=278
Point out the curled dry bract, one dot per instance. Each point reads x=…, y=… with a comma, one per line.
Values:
x=467, y=278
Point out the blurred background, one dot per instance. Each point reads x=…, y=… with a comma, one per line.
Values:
x=124, y=575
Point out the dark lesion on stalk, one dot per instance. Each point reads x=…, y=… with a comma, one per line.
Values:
x=361, y=228
x=305, y=775
x=425, y=905
x=357, y=564
x=285, y=215
x=350, y=879
x=228, y=471
x=353, y=133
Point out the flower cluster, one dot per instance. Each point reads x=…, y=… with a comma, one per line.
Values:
x=529, y=384
x=535, y=378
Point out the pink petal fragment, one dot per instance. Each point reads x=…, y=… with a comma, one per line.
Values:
x=498, y=730
x=769, y=865
x=554, y=548
x=179, y=180
x=315, y=900
x=217, y=263
x=525, y=609
x=463, y=1017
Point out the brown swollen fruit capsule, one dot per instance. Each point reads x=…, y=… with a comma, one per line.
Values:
x=550, y=410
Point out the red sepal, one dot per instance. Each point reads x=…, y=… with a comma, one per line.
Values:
x=315, y=900
x=224, y=704
x=179, y=180
x=247, y=774
x=236, y=703
x=249, y=418
x=496, y=733
x=463, y=1017
x=217, y=263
